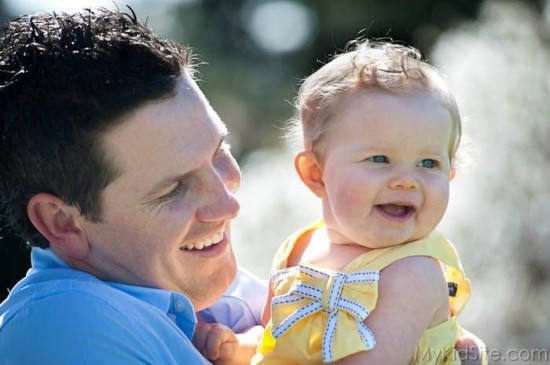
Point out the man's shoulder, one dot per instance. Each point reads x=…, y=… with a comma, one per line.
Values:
x=37, y=292
x=64, y=319
x=63, y=303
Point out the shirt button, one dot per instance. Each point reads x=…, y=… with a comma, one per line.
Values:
x=180, y=306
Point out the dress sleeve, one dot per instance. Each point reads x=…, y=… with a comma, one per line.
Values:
x=322, y=313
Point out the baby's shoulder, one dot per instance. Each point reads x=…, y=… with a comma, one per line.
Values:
x=416, y=278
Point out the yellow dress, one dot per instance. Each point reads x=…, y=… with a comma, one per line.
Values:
x=317, y=314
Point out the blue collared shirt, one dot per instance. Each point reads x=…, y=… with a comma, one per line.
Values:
x=57, y=315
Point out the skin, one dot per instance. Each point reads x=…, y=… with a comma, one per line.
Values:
x=163, y=207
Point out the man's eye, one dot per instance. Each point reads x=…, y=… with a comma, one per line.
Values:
x=378, y=159
x=178, y=190
x=427, y=163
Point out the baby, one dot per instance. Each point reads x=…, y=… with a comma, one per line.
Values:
x=372, y=282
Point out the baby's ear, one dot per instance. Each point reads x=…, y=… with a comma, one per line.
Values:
x=310, y=171
x=452, y=173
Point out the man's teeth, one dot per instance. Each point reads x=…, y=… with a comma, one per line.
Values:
x=214, y=240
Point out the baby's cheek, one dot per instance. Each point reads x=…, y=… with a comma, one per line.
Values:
x=348, y=197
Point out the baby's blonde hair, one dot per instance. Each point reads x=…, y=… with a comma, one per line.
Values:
x=366, y=65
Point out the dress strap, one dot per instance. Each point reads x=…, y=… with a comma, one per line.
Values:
x=434, y=245
x=280, y=260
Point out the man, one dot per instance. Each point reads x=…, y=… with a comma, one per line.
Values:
x=130, y=235
x=117, y=172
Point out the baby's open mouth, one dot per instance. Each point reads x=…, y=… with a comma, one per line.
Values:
x=396, y=210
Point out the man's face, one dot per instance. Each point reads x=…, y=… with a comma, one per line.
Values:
x=166, y=218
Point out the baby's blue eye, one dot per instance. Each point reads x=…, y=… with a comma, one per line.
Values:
x=378, y=159
x=427, y=163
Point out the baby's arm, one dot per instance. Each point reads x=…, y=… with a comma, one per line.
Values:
x=413, y=296
x=222, y=346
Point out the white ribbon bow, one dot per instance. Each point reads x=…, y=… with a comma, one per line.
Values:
x=334, y=304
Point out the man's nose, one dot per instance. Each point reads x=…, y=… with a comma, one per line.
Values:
x=230, y=173
x=220, y=201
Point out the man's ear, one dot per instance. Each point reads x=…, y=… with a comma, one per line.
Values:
x=58, y=223
x=310, y=171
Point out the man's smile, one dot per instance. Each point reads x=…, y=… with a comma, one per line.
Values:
x=199, y=245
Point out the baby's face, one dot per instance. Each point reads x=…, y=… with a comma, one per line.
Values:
x=386, y=168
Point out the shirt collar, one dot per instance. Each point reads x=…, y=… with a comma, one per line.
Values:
x=45, y=258
x=177, y=306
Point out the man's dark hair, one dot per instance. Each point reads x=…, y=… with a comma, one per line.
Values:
x=65, y=79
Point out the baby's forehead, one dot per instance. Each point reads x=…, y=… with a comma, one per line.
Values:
x=386, y=115
x=373, y=96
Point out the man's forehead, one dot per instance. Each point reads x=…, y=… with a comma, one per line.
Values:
x=169, y=136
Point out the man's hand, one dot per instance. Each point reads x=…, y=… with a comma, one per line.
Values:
x=216, y=342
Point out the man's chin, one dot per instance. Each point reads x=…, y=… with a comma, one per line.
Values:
x=216, y=287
